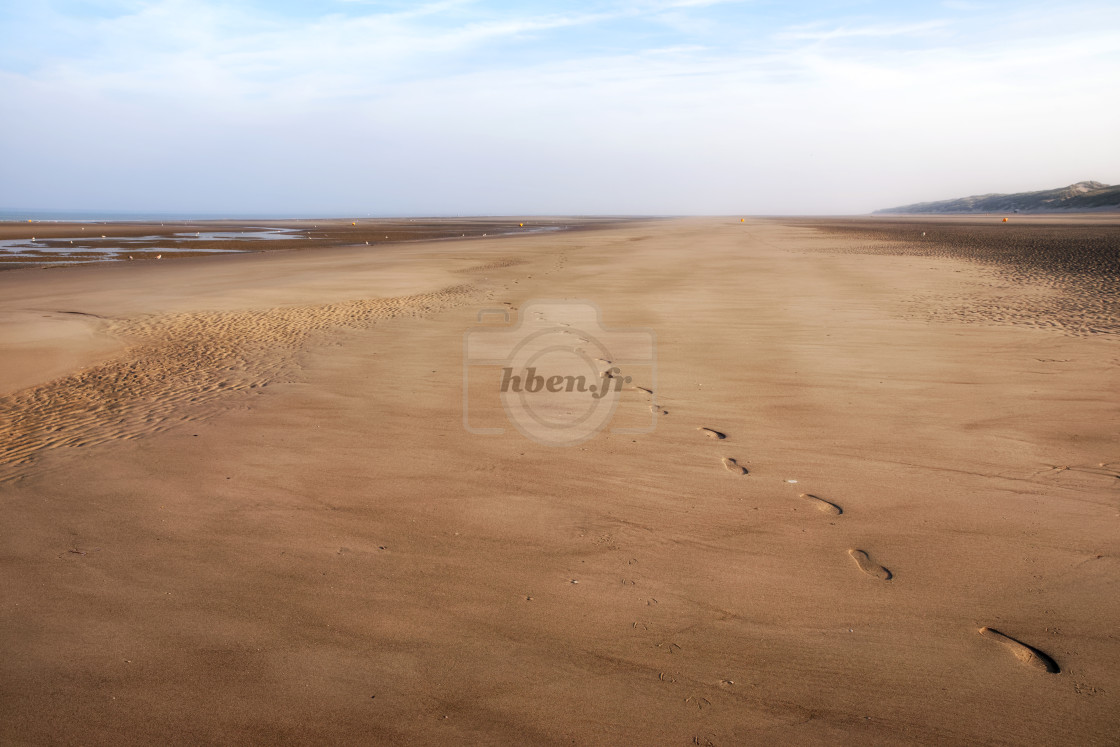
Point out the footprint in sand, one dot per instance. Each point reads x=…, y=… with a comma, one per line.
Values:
x=732, y=466
x=656, y=410
x=712, y=433
x=868, y=566
x=822, y=505
x=1032, y=657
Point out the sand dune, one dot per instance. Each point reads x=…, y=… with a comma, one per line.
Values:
x=241, y=504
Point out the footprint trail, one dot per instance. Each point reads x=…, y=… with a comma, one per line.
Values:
x=868, y=566
x=734, y=467
x=1032, y=657
x=822, y=505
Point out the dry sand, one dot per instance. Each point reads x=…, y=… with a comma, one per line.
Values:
x=240, y=504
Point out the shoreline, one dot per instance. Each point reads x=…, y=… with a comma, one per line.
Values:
x=39, y=245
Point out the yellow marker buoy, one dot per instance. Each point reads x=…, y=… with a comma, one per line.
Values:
x=354, y=223
x=521, y=224
x=741, y=220
x=1005, y=220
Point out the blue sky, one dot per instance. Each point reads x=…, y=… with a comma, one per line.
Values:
x=645, y=106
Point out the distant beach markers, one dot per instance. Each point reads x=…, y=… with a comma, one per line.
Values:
x=1005, y=220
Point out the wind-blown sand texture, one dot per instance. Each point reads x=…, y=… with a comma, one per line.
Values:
x=240, y=505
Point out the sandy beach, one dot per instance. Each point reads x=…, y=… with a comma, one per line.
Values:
x=241, y=505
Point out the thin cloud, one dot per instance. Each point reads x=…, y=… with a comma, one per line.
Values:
x=871, y=31
x=458, y=107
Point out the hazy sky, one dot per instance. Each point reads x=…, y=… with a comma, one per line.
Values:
x=364, y=107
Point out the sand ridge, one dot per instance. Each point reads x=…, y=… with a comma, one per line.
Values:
x=175, y=365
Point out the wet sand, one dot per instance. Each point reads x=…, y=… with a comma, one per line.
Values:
x=241, y=505
x=47, y=244
x=1039, y=270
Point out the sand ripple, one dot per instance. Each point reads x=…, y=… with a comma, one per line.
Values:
x=1065, y=277
x=177, y=364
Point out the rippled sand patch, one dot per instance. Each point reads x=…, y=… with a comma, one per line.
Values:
x=177, y=364
x=1062, y=276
